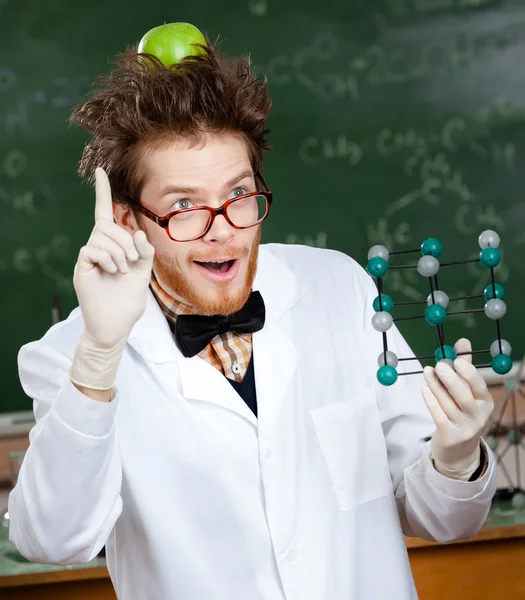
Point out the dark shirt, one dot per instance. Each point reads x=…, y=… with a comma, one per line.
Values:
x=246, y=388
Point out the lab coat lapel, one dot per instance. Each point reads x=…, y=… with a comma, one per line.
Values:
x=151, y=336
x=275, y=355
x=202, y=381
x=153, y=340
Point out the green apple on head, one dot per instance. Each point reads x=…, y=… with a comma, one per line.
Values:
x=172, y=42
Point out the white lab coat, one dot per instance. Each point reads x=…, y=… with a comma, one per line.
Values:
x=197, y=499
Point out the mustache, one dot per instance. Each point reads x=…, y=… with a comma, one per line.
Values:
x=231, y=253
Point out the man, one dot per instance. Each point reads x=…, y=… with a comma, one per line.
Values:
x=210, y=413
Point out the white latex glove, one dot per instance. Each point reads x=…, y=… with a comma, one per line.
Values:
x=111, y=279
x=461, y=405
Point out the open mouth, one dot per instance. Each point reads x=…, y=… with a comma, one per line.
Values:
x=219, y=266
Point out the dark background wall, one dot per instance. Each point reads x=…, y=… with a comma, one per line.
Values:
x=393, y=121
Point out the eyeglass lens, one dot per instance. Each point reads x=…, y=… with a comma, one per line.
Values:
x=246, y=212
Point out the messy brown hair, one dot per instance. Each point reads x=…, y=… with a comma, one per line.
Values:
x=142, y=103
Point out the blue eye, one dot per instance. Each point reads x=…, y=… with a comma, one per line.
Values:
x=240, y=191
x=182, y=204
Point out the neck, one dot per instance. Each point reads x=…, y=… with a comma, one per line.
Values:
x=187, y=308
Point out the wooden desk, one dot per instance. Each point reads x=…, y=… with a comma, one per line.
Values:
x=78, y=584
x=491, y=565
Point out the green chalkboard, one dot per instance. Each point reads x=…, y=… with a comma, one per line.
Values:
x=393, y=121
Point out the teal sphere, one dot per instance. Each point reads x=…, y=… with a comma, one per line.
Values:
x=502, y=364
x=450, y=353
x=386, y=375
x=488, y=292
x=386, y=302
x=490, y=257
x=431, y=247
x=435, y=314
x=377, y=266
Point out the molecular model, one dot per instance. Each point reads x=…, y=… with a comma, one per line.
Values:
x=437, y=303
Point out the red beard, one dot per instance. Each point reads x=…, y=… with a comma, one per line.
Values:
x=225, y=302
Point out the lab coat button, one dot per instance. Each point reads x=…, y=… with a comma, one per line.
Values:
x=291, y=555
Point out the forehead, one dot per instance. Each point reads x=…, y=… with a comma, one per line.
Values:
x=204, y=163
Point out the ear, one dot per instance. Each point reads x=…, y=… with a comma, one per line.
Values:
x=125, y=217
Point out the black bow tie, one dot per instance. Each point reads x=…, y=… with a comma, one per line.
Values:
x=194, y=332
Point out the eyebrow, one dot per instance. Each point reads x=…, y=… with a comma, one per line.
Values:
x=177, y=189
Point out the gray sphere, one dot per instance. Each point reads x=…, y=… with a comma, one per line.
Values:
x=518, y=501
x=440, y=298
x=382, y=321
x=428, y=266
x=492, y=442
x=378, y=250
x=495, y=309
x=391, y=359
x=489, y=239
x=506, y=348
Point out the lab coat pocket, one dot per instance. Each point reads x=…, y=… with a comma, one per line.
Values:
x=354, y=448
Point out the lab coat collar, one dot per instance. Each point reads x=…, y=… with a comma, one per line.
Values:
x=275, y=356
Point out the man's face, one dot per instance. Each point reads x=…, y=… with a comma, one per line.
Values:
x=213, y=274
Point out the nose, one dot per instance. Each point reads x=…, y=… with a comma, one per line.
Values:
x=220, y=231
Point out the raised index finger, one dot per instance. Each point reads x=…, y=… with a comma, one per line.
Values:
x=103, y=200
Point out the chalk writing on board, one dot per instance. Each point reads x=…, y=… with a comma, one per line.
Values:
x=383, y=65
x=381, y=232
x=319, y=240
x=505, y=154
x=386, y=65
x=8, y=79
x=29, y=201
x=68, y=91
x=16, y=120
x=14, y=163
x=283, y=70
x=471, y=219
x=428, y=162
x=45, y=259
x=258, y=8
x=453, y=135
x=64, y=92
x=314, y=150
x=19, y=201
x=437, y=179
